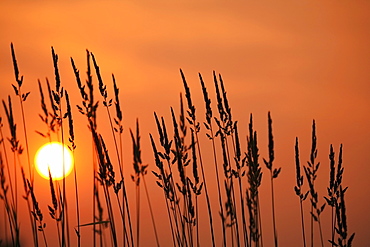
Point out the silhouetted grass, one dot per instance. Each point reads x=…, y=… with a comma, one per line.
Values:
x=311, y=171
x=58, y=95
x=254, y=179
x=298, y=190
x=195, y=128
x=55, y=211
x=274, y=173
x=178, y=166
x=37, y=214
x=17, y=150
x=72, y=147
x=336, y=201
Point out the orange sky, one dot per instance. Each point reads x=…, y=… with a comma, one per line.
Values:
x=301, y=60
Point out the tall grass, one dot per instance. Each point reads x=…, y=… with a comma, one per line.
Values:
x=72, y=147
x=274, y=173
x=180, y=166
x=58, y=95
x=17, y=150
x=311, y=171
x=195, y=129
x=298, y=190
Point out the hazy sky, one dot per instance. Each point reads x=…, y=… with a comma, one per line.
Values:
x=301, y=60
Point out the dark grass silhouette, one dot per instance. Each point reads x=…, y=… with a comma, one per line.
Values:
x=178, y=167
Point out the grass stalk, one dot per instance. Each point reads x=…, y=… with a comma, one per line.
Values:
x=58, y=94
x=209, y=126
x=89, y=110
x=22, y=97
x=196, y=186
x=226, y=131
x=17, y=150
x=274, y=173
x=106, y=179
x=7, y=163
x=230, y=129
x=239, y=173
x=165, y=185
x=151, y=212
x=166, y=178
x=140, y=172
x=181, y=160
x=254, y=179
x=298, y=190
x=37, y=214
x=196, y=128
x=9, y=206
x=311, y=175
x=336, y=201
x=72, y=147
x=119, y=129
x=53, y=211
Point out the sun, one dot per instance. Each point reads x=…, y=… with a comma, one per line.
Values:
x=50, y=156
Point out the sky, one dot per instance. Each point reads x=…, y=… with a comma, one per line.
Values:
x=300, y=60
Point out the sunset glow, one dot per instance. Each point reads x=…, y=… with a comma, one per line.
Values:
x=50, y=156
x=103, y=78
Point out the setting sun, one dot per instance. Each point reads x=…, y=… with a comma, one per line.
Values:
x=50, y=156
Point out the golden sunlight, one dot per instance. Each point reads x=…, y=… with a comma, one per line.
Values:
x=50, y=156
